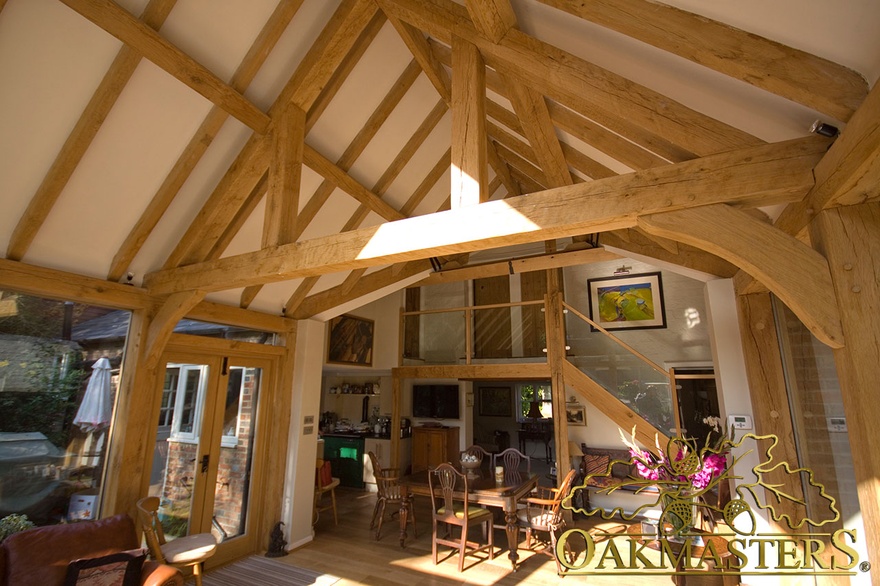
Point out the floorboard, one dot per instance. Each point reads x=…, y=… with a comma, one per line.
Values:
x=349, y=550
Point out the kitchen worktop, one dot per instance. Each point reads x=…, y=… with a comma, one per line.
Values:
x=355, y=434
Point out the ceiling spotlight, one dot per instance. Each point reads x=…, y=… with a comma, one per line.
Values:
x=823, y=129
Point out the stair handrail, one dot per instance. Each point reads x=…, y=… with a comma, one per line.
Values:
x=617, y=340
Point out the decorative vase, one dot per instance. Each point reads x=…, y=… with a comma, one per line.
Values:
x=679, y=514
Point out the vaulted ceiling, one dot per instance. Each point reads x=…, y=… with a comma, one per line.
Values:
x=291, y=156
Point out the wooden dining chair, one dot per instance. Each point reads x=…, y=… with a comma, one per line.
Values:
x=477, y=452
x=444, y=481
x=543, y=512
x=325, y=482
x=388, y=493
x=181, y=552
x=511, y=459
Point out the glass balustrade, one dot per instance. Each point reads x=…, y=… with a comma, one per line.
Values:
x=622, y=371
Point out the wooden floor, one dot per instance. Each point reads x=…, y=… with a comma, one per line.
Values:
x=349, y=550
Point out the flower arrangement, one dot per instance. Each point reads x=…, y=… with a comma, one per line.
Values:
x=685, y=477
x=691, y=470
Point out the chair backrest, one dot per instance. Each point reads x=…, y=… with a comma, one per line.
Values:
x=148, y=519
x=374, y=462
x=443, y=481
x=477, y=451
x=511, y=459
x=323, y=473
x=561, y=493
x=387, y=481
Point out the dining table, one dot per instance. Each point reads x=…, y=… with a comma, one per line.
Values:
x=484, y=488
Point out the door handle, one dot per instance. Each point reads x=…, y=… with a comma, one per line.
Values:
x=205, y=459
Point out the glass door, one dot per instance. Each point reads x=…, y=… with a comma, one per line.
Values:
x=204, y=467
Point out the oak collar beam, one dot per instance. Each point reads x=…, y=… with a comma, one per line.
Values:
x=749, y=177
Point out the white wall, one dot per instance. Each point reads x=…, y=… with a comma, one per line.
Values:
x=299, y=481
x=309, y=370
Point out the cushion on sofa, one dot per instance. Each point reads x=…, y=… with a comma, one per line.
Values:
x=40, y=555
x=115, y=569
x=596, y=464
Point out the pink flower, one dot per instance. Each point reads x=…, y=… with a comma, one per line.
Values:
x=645, y=464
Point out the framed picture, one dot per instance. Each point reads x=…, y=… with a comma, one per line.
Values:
x=496, y=401
x=627, y=302
x=350, y=340
x=575, y=414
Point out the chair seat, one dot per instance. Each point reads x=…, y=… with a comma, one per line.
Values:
x=472, y=513
x=333, y=484
x=189, y=549
x=536, y=518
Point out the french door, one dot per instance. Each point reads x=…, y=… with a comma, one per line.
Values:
x=205, y=462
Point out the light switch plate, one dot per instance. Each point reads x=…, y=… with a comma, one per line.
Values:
x=837, y=424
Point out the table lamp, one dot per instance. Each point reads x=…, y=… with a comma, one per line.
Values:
x=534, y=411
x=575, y=451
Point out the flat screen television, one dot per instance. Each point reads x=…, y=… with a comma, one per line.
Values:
x=435, y=401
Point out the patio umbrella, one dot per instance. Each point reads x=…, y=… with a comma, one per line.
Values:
x=96, y=408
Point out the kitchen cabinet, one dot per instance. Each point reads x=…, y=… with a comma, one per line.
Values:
x=432, y=446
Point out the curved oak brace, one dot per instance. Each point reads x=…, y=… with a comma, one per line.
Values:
x=162, y=325
x=793, y=271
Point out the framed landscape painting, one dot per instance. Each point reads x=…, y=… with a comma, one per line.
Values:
x=627, y=302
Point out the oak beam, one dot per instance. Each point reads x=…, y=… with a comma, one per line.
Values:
x=793, y=271
x=375, y=281
x=420, y=48
x=756, y=176
x=770, y=401
x=541, y=262
x=469, y=159
x=172, y=310
x=850, y=238
x=324, y=167
x=817, y=83
x=285, y=174
x=65, y=286
x=850, y=172
x=687, y=256
x=509, y=371
x=534, y=116
x=611, y=100
x=611, y=406
x=137, y=34
x=201, y=140
x=572, y=122
x=343, y=32
x=345, y=162
x=493, y=18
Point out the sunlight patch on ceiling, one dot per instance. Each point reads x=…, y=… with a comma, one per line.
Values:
x=475, y=224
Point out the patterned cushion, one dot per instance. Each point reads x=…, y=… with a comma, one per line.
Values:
x=596, y=464
x=115, y=569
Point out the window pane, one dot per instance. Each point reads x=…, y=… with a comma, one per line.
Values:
x=59, y=372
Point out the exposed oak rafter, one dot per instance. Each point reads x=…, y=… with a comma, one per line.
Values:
x=201, y=140
x=809, y=80
x=619, y=104
x=133, y=32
